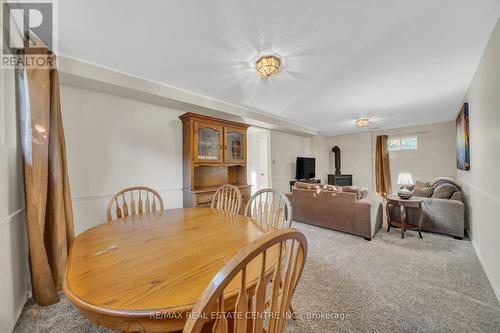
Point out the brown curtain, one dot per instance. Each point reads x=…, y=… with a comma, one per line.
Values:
x=382, y=171
x=48, y=199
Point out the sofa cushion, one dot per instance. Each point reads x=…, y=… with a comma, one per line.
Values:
x=444, y=191
x=352, y=189
x=423, y=190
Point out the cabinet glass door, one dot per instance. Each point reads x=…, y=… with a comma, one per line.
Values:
x=235, y=144
x=208, y=142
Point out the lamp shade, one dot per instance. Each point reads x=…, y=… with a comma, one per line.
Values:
x=404, y=179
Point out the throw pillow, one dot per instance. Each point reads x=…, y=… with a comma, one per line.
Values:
x=425, y=192
x=307, y=186
x=420, y=184
x=444, y=191
x=457, y=196
x=327, y=188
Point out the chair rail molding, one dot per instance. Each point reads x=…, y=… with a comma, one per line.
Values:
x=110, y=195
x=482, y=192
x=11, y=217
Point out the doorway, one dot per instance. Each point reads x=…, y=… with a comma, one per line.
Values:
x=259, y=157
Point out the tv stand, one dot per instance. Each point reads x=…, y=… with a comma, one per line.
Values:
x=311, y=181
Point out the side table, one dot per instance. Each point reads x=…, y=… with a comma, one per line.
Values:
x=404, y=204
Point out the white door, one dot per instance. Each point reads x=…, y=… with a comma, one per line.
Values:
x=258, y=158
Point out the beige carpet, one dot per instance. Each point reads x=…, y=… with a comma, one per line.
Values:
x=352, y=285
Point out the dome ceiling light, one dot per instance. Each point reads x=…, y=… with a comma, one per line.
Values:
x=267, y=66
x=362, y=122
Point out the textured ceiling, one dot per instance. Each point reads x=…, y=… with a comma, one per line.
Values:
x=399, y=62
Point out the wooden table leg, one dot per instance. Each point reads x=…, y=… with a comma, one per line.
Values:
x=403, y=218
x=388, y=209
x=420, y=219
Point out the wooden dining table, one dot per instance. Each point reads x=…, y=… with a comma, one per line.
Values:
x=144, y=273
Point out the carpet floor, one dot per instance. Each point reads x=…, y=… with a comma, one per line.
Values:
x=435, y=284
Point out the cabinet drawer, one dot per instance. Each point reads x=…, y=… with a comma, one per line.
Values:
x=204, y=198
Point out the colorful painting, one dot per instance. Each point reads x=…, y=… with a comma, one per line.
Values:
x=462, y=144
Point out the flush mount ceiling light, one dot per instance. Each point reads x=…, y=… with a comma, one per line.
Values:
x=267, y=66
x=361, y=122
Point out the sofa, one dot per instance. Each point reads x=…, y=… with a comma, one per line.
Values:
x=443, y=206
x=346, y=209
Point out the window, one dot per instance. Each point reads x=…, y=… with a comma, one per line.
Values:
x=409, y=142
x=394, y=144
x=402, y=143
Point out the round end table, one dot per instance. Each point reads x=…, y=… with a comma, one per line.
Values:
x=404, y=204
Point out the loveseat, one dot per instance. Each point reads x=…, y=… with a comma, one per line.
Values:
x=443, y=207
x=346, y=209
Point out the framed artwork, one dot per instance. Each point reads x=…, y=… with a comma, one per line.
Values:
x=462, y=143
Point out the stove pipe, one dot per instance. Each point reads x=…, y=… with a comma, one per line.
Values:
x=336, y=151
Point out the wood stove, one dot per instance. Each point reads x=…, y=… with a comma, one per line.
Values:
x=339, y=179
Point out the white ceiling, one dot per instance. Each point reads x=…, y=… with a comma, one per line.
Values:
x=399, y=62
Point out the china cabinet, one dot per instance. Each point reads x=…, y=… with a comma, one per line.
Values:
x=214, y=154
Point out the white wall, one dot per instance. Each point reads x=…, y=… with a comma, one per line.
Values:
x=14, y=277
x=284, y=151
x=114, y=142
x=321, y=149
x=434, y=157
x=356, y=158
x=482, y=182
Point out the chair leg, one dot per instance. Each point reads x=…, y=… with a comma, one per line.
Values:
x=292, y=312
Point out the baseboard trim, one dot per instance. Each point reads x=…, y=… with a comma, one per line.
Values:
x=11, y=217
x=496, y=289
x=495, y=201
x=19, y=311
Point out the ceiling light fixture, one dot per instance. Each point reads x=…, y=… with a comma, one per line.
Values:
x=361, y=122
x=267, y=66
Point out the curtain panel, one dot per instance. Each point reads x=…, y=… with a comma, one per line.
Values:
x=382, y=170
x=48, y=199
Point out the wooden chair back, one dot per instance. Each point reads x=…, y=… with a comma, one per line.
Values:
x=270, y=207
x=255, y=301
x=227, y=198
x=132, y=201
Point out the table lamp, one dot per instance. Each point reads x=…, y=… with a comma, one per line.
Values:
x=404, y=179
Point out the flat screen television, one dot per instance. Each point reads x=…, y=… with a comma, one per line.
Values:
x=306, y=168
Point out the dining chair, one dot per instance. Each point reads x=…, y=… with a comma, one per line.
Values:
x=148, y=200
x=250, y=310
x=227, y=198
x=270, y=207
